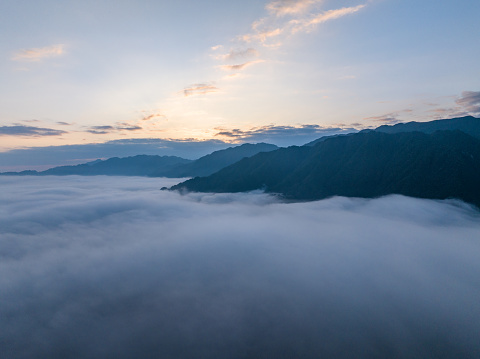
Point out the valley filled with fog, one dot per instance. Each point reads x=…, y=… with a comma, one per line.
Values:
x=113, y=267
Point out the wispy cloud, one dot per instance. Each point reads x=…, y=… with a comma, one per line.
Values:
x=304, y=20
x=238, y=67
x=38, y=54
x=389, y=118
x=101, y=130
x=261, y=35
x=310, y=23
x=290, y=7
x=470, y=100
x=20, y=130
x=127, y=127
x=238, y=54
x=153, y=116
x=105, y=129
x=199, y=89
x=282, y=135
x=33, y=120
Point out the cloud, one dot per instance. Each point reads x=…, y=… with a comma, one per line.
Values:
x=282, y=135
x=38, y=54
x=239, y=67
x=199, y=89
x=470, y=101
x=302, y=21
x=262, y=35
x=103, y=130
x=239, y=54
x=113, y=267
x=127, y=127
x=308, y=24
x=62, y=123
x=389, y=118
x=19, y=130
x=153, y=116
x=290, y=7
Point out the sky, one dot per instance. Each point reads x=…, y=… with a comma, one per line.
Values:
x=283, y=71
x=112, y=267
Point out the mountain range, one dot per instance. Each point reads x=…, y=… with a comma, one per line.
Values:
x=427, y=162
x=157, y=166
x=437, y=159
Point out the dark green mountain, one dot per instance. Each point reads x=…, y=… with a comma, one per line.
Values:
x=323, y=138
x=215, y=161
x=141, y=165
x=468, y=124
x=156, y=166
x=445, y=164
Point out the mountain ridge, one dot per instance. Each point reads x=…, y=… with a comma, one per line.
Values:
x=445, y=164
x=154, y=165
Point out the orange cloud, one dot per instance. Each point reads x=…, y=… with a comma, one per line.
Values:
x=307, y=24
x=239, y=67
x=238, y=54
x=270, y=27
x=199, y=89
x=38, y=54
x=152, y=116
x=289, y=7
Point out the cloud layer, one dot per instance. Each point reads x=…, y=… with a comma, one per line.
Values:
x=113, y=267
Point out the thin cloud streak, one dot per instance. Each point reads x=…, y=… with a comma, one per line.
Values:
x=308, y=24
x=289, y=7
x=107, y=129
x=238, y=54
x=199, y=89
x=282, y=135
x=268, y=27
x=470, y=100
x=20, y=130
x=38, y=54
x=239, y=67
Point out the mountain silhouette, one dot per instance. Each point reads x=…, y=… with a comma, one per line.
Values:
x=468, y=124
x=215, y=161
x=141, y=165
x=156, y=166
x=445, y=164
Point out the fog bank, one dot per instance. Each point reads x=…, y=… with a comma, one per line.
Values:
x=113, y=267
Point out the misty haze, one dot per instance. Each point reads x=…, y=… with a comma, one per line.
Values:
x=113, y=267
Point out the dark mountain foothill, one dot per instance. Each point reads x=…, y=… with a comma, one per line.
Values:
x=215, y=161
x=468, y=124
x=444, y=164
x=156, y=166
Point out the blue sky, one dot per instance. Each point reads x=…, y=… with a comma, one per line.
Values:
x=97, y=71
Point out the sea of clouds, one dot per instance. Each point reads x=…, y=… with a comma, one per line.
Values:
x=112, y=267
